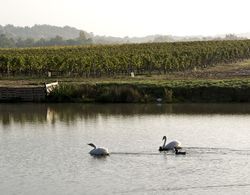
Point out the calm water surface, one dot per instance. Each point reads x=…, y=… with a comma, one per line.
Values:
x=43, y=149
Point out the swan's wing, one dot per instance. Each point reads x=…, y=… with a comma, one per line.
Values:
x=104, y=150
x=177, y=143
x=99, y=151
x=171, y=145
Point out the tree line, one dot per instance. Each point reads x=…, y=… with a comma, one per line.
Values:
x=9, y=42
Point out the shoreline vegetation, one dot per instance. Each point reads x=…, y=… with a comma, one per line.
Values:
x=179, y=91
x=212, y=71
x=150, y=91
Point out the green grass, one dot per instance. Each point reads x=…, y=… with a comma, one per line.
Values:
x=173, y=87
x=235, y=90
x=233, y=71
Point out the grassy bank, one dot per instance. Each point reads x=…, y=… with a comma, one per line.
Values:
x=234, y=90
x=221, y=83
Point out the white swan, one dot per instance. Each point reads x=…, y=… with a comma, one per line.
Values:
x=98, y=151
x=170, y=146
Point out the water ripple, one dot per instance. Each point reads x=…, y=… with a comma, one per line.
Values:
x=186, y=188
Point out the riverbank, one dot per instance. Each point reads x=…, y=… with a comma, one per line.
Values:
x=221, y=83
x=175, y=91
x=150, y=91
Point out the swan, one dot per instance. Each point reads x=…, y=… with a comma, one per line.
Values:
x=98, y=151
x=177, y=152
x=170, y=146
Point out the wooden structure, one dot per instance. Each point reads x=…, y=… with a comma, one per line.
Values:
x=26, y=94
x=51, y=86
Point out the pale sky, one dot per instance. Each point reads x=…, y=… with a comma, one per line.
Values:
x=133, y=17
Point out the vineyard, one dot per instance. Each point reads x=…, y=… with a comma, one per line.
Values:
x=97, y=61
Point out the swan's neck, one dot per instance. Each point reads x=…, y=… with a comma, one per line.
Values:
x=164, y=143
x=93, y=145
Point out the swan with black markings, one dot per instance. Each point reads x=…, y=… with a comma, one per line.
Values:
x=170, y=146
x=98, y=151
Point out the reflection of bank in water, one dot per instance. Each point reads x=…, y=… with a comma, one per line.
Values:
x=22, y=113
x=69, y=112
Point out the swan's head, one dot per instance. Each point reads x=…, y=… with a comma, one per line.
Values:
x=93, y=145
x=164, y=137
x=160, y=148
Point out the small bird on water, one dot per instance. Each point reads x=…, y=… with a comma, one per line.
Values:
x=177, y=152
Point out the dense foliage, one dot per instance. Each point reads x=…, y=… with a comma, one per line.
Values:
x=112, y=60
x=9, y=42
x=37, y=32
x=168, y=91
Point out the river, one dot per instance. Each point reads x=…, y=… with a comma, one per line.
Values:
x=43, y=149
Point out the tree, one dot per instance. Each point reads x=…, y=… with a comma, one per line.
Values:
x=6, y=42
x=82, y=39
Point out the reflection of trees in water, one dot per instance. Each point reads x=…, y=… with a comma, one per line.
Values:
x=91, y=111
x=68, y=113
